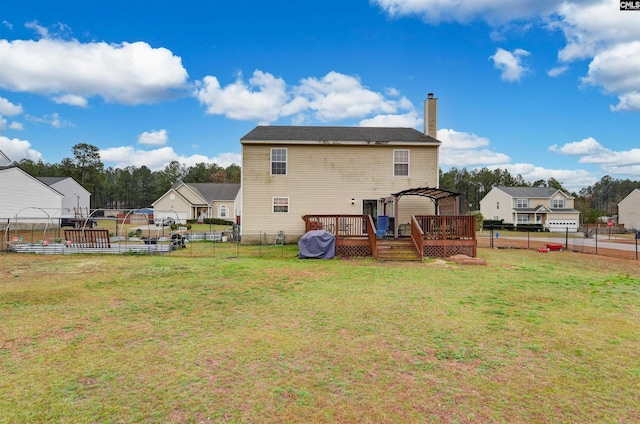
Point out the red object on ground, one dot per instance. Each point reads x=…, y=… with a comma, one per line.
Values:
x=553, y=246
x=543, y=250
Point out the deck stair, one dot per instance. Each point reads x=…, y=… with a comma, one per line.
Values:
x=401, y=249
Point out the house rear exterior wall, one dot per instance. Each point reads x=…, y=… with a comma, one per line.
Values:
x=322, y=179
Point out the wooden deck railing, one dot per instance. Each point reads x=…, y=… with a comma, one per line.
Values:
x=432, y=235
x=340, y=225
x=448, y=227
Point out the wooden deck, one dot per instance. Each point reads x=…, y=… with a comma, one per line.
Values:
x=431, y=235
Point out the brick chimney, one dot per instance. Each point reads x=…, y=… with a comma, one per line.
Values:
x=431, y=116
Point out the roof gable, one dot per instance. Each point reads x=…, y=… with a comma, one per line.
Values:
x=532, y=192
x=334, y=135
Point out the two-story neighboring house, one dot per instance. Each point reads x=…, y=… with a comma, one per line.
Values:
x=198, y=201
x=629, y=210
x=292, y=171
x=546, y=206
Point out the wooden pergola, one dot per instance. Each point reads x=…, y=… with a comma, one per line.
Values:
x=435, y=194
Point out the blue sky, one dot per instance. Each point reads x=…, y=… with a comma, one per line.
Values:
x=543, y=88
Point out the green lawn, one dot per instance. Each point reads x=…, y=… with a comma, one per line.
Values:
x=529, y=338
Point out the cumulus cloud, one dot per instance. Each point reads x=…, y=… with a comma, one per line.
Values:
x=71, y=99
x=510, y=64
x=462, y=149
x=158, y=159
x=572, y=180
x=594, y=30
x=266, y=98
x=492, y=11
x=624, y=163
x=16, y=149
x=9, y=109
x=618, y=71
x=154, y=138
x=408, y=120
x=55, y=120
x=129, y=73
x=262, y=99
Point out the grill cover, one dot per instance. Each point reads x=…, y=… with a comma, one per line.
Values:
x=317, y=244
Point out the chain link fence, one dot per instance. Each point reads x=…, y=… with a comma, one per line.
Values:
x=597, y=240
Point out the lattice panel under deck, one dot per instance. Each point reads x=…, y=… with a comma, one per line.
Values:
x=353, y=251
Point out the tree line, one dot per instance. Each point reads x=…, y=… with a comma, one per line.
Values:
x=137, y=187
x=129, y=188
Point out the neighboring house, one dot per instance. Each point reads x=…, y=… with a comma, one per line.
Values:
x=76, y=201
x=292, y=171
x=629, y=210
x=25, y=199
x=546, y=206
x=4, y=160
x=198, y=201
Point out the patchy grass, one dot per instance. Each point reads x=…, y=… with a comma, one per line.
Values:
x=528, y=338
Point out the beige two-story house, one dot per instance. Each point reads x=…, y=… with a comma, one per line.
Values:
x=197, y=201
x=546, y=206
x=292, y=171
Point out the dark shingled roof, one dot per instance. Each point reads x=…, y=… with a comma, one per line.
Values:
x=215, y=191
x=338, y=134
x=528, y=192
x=51, y=180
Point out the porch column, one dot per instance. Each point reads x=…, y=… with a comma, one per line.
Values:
x=395, y=217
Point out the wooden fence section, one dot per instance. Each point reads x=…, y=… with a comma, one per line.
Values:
x=88, y=238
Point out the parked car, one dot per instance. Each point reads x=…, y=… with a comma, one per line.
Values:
x=71, y=222
x=165, y=222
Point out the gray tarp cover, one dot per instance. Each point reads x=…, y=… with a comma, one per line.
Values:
x=317, y=244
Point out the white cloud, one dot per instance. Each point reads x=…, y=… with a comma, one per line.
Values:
x=594, y=30
x=461, y=149
x=158, y=159
x=557, y=71
x=492, y=11
x=510, y=64
x=16, y=149
x=129, y=73
x=623, y=163
x=407, y=120
x=71, y=99
x=572, y=180
x=7, y=24
x=9, y=109
x=54, y=120
x=154, y=138
x=16, y=126
x=618, y=71
x=262, y=99
x=266, y=98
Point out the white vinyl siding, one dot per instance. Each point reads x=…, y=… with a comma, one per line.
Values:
x=400, y=163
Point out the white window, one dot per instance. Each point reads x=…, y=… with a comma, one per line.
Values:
x=523, y=219
x=280, y=205
x=278, y=161
x=223, y=211
x=400, y=163
x=497, y=205
x=522, y=203
x=557, y=203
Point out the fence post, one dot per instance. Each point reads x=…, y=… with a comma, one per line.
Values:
x=566, y=239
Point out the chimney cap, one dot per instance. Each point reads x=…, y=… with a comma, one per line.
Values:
x=430, y=96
